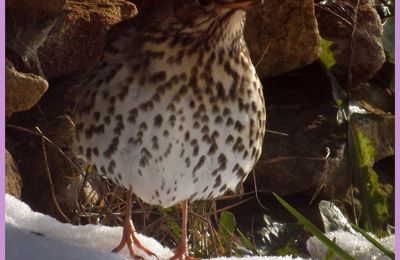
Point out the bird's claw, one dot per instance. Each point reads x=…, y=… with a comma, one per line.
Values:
x=129, y=239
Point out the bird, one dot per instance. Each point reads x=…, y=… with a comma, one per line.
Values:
x=173, y=110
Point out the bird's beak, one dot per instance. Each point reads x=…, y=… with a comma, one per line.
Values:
x=238, y=4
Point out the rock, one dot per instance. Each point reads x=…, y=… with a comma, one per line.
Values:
x=374, y=98
x=77, y=38
x=282, y=35
x=378, y=129
x=43, y=5
x=68, y=42
x=23, y=90
x=294, y=162
x=364, y=49
x=13, y=177
x=26, y=30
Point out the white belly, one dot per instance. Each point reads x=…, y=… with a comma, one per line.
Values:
x=170, y=142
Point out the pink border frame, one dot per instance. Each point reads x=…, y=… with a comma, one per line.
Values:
x=2, y=132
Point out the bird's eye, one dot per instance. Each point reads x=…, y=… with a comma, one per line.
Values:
x=205, y=3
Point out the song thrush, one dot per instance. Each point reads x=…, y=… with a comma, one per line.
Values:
x=174, y=110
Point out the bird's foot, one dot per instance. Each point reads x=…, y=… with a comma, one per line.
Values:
x=129, y=238
x=181, y=253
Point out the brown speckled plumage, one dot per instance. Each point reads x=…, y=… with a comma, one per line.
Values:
x=174, y=108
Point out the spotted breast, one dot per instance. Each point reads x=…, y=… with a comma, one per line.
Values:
x=174, y=109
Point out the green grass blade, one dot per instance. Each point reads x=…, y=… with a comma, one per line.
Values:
x=330, y=255
x=376, y=243
x=247, y=243
x=315, y=231
x=175, y=227
x=363, y=154
x=227, y=225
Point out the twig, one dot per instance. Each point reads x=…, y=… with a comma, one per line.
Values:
x=276, y=132
x=233, y=205
x=262, y=56
x=256, y=191
x=350, y=75
x=26, y=130
x=252, y=233
x=47, y=169
x=350, y=81
x=325, y=173
x=329, y=10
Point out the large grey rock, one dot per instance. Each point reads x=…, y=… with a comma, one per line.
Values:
x=282, y=35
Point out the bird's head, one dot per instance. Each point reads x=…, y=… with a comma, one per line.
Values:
x=199, y=16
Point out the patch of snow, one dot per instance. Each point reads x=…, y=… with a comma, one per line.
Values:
x=32, y=235
x=355, y=244
x=261, y=258
x=23, y=244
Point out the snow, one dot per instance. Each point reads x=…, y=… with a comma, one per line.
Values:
x=260, y=258
x=355, y=244
x=32, y=235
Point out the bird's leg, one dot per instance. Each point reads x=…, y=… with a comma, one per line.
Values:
x=181, y=251
x=128, y=237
